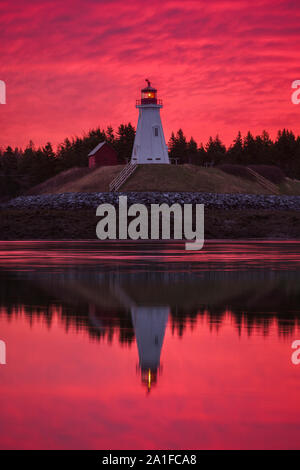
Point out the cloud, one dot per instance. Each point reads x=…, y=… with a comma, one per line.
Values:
x=73, y=65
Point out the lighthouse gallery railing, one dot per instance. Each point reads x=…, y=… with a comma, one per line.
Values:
x=149, y=101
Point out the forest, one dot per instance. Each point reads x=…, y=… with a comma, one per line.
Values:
x=21, y=169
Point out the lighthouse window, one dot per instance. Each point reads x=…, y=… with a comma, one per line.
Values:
x=156, y=131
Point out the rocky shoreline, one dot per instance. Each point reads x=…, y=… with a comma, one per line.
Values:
x=72, y=216
x=74, y=201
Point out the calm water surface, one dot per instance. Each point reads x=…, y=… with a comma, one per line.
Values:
x=128, y=346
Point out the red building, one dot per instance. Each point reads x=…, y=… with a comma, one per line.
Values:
x=103, y=155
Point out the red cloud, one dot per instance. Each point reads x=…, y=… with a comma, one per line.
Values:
x=220, y=66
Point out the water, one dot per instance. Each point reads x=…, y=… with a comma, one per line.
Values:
x=128, y=346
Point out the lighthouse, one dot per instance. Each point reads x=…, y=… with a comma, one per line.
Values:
x=149, y=143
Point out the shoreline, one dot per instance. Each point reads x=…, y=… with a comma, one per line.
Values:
x=80, y=224
x=72, y=216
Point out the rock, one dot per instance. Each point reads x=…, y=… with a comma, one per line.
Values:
x=75, y=201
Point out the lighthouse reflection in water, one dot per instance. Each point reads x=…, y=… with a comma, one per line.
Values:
x=149, y=326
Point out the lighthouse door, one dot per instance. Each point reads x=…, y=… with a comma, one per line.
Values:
x=156, y=144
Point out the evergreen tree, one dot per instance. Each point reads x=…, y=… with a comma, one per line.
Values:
x=288, y=152
x=109, y=134
x=235, y=151
x=178, y=147
x=263, y=149
x=201, y=158
x=215, y=151
x=192, y=151
x=9, y=179
x=124, y=142
x=249, y=149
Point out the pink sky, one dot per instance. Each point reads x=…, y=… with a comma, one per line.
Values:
x=219, y=66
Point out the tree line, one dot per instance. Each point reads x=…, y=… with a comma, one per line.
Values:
x=283, y=152
x=21, y=169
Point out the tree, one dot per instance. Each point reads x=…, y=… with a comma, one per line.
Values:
x=192, y=151
x=263, y=149
x=215, y=151
x=124, y=142
x=9, y=180
x=249, y=149
x=288, y=152
x=178, y=147
x=235, y=151
x=109, y=134
x=201, y=159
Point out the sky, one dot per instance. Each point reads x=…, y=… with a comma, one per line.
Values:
x=219, y=66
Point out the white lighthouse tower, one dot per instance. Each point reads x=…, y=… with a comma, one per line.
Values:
x=149, y=143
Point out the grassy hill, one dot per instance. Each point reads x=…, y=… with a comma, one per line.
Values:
x=158, y=178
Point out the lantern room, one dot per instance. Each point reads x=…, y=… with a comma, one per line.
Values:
x=149, y=94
